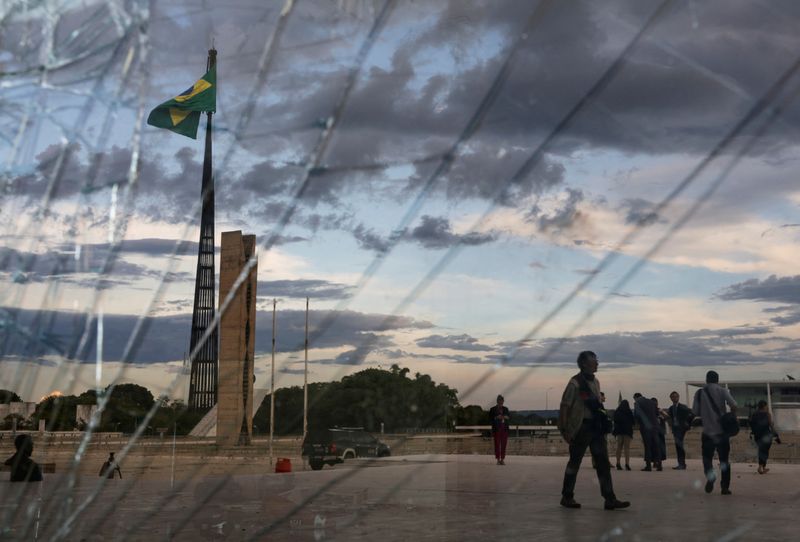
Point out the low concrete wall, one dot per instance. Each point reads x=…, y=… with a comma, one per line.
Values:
x=742, y=448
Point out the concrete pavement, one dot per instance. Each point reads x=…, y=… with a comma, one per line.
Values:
x=419, y=498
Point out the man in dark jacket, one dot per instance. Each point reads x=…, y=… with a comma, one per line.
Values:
x=646, y=414
x=681, y=417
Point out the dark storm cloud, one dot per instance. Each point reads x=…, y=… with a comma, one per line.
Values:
x=640, y=211
x=369, y=240
x=435, y=233
x=695, y=71
x=772, y=289
x=453, y=342
x=789, y=317
x=166, y=338
x=693, y=348
x=302, y=288
x=691, y=78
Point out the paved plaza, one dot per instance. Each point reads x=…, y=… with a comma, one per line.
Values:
x=433, y=497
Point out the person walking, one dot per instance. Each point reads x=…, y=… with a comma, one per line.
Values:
x=709, y=405
x=110, y=468
x=681, y=418
x=646, y=415
x=499, y=415
x=623, y=431
x=583, y=423
x=23, y=468
x=763, y=434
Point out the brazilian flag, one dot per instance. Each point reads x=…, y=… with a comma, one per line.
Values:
x=181, y=114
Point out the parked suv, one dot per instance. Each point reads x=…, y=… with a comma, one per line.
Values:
x=333, y=446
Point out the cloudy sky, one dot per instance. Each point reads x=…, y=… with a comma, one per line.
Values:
x=474, y=190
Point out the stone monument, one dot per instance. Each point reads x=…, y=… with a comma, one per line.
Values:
x=237, y=339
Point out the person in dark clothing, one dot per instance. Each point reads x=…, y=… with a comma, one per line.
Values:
x=582, y=426
x=23, y=468
x=681, y=418
x=623, y=431
x=499, y=416
x=763, y=434
x=662, y=418
x=709, y=405
x=646, y=415
x=110, y=468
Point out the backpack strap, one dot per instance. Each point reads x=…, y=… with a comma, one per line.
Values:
x=713, y=404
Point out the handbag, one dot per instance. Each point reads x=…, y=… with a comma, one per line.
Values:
x=728, y=421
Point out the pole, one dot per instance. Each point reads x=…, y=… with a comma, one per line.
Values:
x=204, y=366
x=305, y=381
x=272, y=385
x=172, y=475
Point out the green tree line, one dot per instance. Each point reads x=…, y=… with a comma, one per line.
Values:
x=367, y=399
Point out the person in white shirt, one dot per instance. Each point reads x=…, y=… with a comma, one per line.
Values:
x=714, y=438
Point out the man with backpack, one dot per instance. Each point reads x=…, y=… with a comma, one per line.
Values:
x=718, y=427
x=583, y=423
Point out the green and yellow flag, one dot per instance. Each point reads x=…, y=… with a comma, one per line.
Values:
x=181, y=114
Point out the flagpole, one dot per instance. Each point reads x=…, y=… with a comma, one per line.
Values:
x=203, y=376
x=272, y=386
x=305, y=381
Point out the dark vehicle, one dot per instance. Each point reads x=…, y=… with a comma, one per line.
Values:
x=333, y=446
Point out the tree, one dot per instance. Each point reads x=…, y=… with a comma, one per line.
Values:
x=365, y=399
x=58, y=411
x=472, y=415
x=7, y=396
x=127, y=405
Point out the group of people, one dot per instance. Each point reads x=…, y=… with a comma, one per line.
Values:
x=652, y=422
x=584, y=423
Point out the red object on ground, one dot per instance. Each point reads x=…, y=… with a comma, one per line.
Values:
x=284, y=464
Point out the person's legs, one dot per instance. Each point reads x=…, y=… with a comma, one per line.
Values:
x=627, y=446
x=680, y=451
x=496, y=436
x=764, y=444
x=503, y=444
x=599, y=452
x=707, y=446
x=619, y=449
x=648, y=448
x=655, y=449
x=762, y=456
x=723, y=450
x=576, y=452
